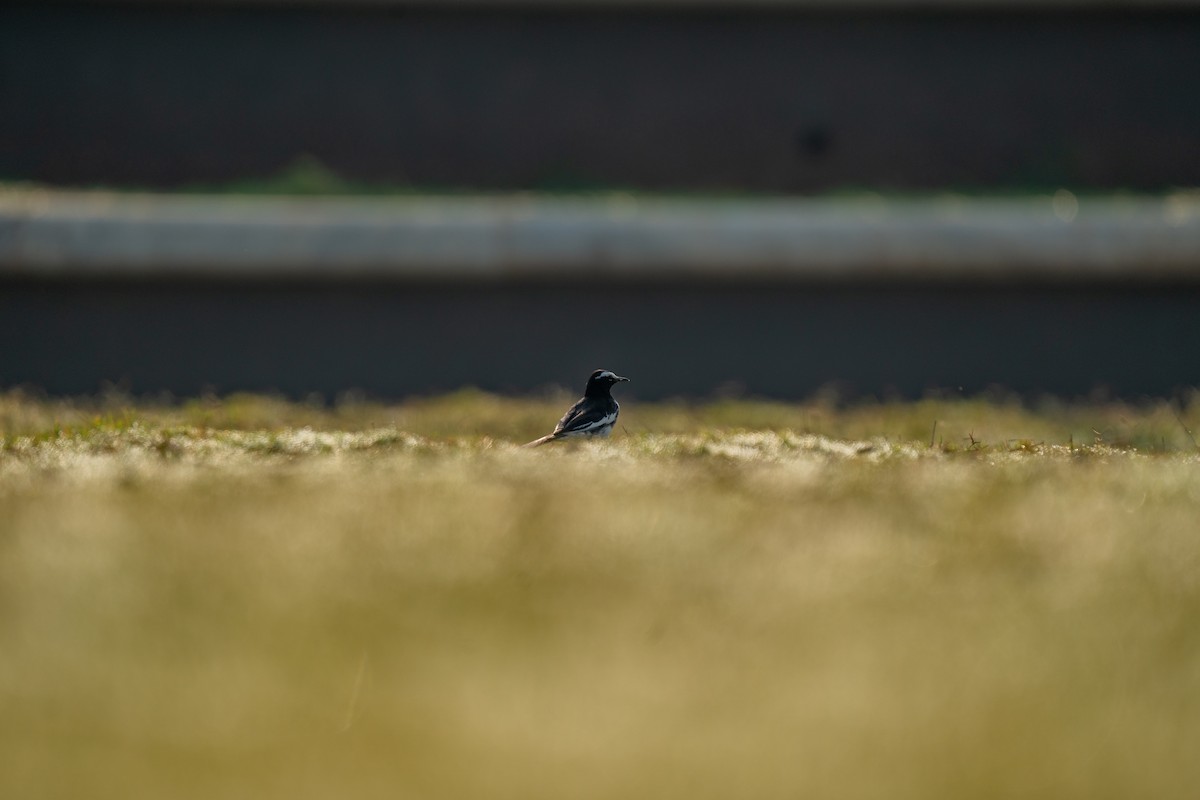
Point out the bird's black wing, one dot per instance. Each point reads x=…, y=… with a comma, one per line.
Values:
x=587, y=414
x=567, y=423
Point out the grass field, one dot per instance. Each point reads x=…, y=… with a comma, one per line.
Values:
x=246, y=598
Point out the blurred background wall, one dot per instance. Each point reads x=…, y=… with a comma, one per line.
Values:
x=888, y=102
x=781, y=97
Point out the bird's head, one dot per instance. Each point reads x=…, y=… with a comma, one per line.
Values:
x=602, y=380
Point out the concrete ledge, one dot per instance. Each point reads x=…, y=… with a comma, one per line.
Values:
x=94, y=235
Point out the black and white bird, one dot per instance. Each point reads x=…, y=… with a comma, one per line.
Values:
x=593, y=415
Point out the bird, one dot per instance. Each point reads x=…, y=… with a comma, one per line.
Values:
x=594, y=414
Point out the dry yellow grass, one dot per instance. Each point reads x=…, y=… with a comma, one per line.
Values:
x=741, y=600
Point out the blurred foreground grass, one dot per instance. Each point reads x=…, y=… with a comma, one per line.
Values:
x=246, y=598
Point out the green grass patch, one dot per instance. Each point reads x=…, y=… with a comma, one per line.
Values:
x=247, y=597
x=308, y=176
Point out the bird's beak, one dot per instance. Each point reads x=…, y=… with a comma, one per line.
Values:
x=621, y=380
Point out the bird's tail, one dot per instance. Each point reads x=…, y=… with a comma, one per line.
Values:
x=549, y=437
